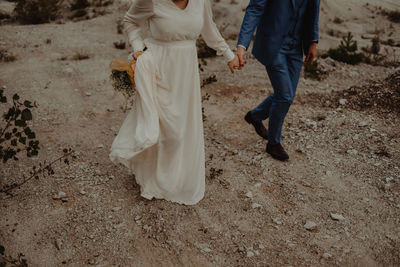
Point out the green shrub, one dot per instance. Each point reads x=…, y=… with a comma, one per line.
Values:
x=36, y=11
x=313, y=71
x=393, y=16
x=79, y=13
x=79, y=4
x=347, y=51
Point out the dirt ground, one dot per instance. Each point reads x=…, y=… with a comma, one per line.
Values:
x=342, y=180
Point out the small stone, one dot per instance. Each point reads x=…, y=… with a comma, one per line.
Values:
x=116, y=208
x=241, y=249
x=82, y=192
x=337, y=217
x=250, y=254
x=4, y=87
x=68, y=70
x=255, y=205
x=100, y=146
x=310, y=225
x=311, y=123
x=58, y=244
x=88, y=94
x=388, y=179
x=363, y=124
x=60, y=195
x=260, y=246
x=329, y=173
x=249, y=194
x=257, y=185
x=277, y=222
x=207, y=250
x=138, y=217
x=342, y=101
x=327, y=256
x=352, y=152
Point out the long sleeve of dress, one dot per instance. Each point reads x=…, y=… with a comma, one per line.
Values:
x=134, y=20
x=212, y=36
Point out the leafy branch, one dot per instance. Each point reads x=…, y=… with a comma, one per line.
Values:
x=19, y=262
x=16, y=136
x=44, y=169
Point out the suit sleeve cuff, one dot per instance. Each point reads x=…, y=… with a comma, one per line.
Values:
x=242, y=46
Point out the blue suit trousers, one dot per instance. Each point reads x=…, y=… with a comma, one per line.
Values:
x=284, y=73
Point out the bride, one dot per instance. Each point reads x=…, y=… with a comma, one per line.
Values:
x=161, y=140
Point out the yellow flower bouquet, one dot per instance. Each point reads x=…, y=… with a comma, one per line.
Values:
x=122, y=77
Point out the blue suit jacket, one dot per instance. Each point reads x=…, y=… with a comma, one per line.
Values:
x=273, y=20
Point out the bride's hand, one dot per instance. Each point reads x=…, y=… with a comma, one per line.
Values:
x=137, y=54
x=234, y=64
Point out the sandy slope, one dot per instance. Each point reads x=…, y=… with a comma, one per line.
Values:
x=335, y=165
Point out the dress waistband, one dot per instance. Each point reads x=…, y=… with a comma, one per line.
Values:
x=170, y=43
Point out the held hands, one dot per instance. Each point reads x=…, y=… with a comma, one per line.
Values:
x=238, y=62
x=234, y=64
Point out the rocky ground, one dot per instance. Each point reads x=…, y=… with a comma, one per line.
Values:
x=335, y=203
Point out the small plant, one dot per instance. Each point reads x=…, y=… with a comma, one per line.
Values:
x=19, y=262
x=80, y=4
x=209, y=80
x=6, y=56
x=215, y=173
x=4, y=15
x=102, y=3
x=37, y=11
x=79, y=13
x=372, y=54
x=338, y=20
x=120, y=45
x=312, y=71
x=120, y=27
x=347, y=51
x=80, y=56
x=393, y=16
x=376, y=45
x=44, y=169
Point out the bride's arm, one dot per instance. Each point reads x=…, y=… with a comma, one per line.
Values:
x=138, y=13
x=212, y=36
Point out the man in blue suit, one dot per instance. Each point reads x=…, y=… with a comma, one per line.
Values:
x=285, y=30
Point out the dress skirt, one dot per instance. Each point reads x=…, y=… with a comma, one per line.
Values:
x=161, y=140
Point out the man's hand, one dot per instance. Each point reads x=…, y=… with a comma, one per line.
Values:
x=234, y=64
x=312, y=53
x=241, y=52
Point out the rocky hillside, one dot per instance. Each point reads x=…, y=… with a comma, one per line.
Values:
x=335, y=203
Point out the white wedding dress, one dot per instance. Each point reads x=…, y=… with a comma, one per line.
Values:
x=161, y=140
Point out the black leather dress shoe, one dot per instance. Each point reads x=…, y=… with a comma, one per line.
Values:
x=277, y=152
x=258, y=126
